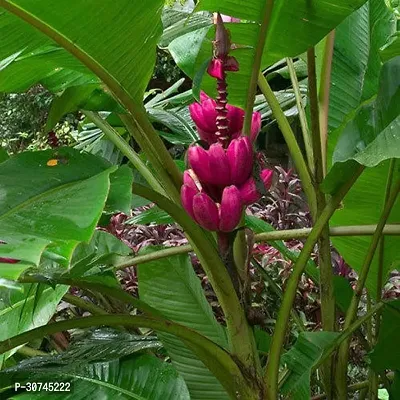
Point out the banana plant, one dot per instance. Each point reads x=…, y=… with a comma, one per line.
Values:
x=98, y=59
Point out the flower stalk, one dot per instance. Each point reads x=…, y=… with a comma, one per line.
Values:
x=328, y=304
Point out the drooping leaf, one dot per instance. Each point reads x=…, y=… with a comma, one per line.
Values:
x=301, y=358
x=27, y=310
x=372, y=135
x=392, y=48
x=43, y=66
x=294, y=27
x=97, y=345
x=88, y=97
x=110, y=36
x=92, y=140
x=179, y=20
x=182, y=130
x=120, y=196
x=171, y=286
x=355, y=66
x=142, y=377
x=152, y=215
x=49, y=197
x=386, y=353
x=104, y=249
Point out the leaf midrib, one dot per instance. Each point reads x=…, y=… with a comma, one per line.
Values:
x=107, y=385
x=37, y=197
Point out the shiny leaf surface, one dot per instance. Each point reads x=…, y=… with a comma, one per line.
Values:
x=111, y=35
x=27, y=309
x=50, y=197
x=386, y=353
x=142, y=377
x=356, y=67
x=171, y=286
x=294, y=27
x=372, y=135
x=301, y=358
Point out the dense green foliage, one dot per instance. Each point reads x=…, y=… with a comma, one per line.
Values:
x=324, y=77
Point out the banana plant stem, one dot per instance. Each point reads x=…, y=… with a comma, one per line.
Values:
x=256, y=66
x=327, y=295
x=324, y=93
x=355, y=387
x=240, y=335
x=356, y=230
x=271, y=375
x=294, y=149
x=170, y=177
x=215, y=358
x=302, y=115
x=346, y=333
x=343, y=354
x=30, y=352
x=84, y=305
x=125, y=149
x=379, y=281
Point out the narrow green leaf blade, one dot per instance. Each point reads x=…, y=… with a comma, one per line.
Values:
x=27, y=311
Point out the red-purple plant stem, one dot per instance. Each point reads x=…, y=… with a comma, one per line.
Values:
x=343, y=353
x=222, y=111
x=327, y=295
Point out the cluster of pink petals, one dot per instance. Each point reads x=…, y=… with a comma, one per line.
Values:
x=220, y=183
x=204, y=115
x=218, y=67
x=249, y=191
x=223, y=167
x=219, y=208
x=209, y=214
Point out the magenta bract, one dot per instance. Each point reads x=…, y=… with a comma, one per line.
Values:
x=249, y=192
x=219, y=173
x=240, y=159
x=220, y=167
x=187, y=196
x=199, y=161
x=205, y=114
x=206, y=212
x=231, y=209
x=216, y=68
